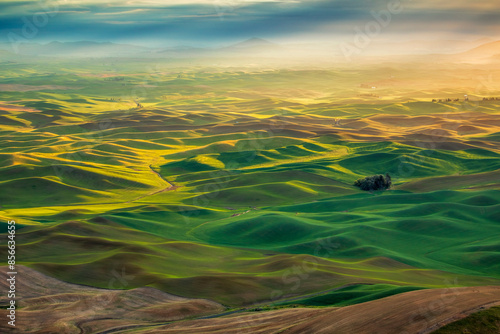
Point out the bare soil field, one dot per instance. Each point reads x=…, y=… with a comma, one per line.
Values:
x=48, y=305
x=416, y=312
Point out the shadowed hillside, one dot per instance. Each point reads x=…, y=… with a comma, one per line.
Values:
x=233, y=187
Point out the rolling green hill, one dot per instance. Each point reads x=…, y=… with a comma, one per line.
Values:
x=237, y=184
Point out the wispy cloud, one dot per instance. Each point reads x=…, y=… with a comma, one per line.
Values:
x=126, y=12
x=215, y=21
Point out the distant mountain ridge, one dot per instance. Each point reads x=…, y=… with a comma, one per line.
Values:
x=79, y=48
x=253, y=47
x=253, y=42
x=491, y=49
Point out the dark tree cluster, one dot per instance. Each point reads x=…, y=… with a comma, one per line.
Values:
x=376, y=182
x=449, y=100
x=115, y=79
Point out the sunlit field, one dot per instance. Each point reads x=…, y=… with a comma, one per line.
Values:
x=232, y=187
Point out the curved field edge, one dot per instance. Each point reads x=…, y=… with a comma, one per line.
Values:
x=412, y=312
x=146, y=310
x=81, y=158
x=486, y=321
x=106, y=254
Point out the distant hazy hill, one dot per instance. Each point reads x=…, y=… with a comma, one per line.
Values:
x=485, y=51
x=107, y=49
x=253, y=45
x=182, y=51
x=81, y=49
x=479, y=50
x=423, y=47
x=250, y=47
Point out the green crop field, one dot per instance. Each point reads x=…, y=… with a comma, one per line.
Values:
x=236, y=184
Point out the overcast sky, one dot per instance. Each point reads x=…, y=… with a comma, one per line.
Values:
x=219, y=22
